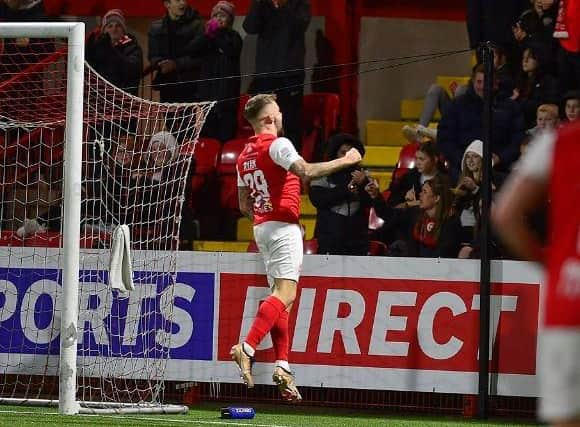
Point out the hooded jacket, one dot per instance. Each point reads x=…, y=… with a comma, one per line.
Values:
x=342, y=217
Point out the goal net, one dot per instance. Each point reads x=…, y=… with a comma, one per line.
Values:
x=136, y=157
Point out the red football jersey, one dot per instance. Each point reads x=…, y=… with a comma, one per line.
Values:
x=262, y=166
x=563, y=264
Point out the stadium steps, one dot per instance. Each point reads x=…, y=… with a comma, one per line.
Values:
x=385, y=133
x=381, y=157
x=411, y=110
x=306, y=207
x=450, y=82
x=245, y=232
x=219, y=246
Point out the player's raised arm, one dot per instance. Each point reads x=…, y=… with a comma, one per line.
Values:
x=525, y=192
x=306, y=170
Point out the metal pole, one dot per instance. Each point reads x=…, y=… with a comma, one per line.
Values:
x=72, y=214
x=485, y=237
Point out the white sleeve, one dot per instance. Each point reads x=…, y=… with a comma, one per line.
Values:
x=537, y=162
x=283, y=153
x=241, y=182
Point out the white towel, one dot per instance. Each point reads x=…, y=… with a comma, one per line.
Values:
x=120, y=271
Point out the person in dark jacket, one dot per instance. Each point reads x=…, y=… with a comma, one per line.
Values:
x=491, y=20
x=463, y=122
x=169, y=39
x=114, y=54
x=397, y=210
x=535, y=86
x=280, y=26
x=19, y=53
x=342, y=217
x=219, y=48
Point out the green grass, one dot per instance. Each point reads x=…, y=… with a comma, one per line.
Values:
x=266, y=416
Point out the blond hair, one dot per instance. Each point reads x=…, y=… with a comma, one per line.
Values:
x=551, y=109
x=255, y=105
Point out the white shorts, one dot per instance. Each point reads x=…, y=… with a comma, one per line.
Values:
x=280, y=244
x=559, y=374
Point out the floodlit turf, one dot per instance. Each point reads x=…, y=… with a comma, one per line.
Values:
x=208, y=415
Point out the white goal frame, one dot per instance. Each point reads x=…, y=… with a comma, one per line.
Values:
x=74, y=32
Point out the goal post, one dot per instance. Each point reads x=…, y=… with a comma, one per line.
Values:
x=74, y=32
x=92, y=191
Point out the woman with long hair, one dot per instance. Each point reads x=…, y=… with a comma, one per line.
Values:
x=535, y=85
x=435, y=232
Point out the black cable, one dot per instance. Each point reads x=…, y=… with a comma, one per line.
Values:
x=387, y=67
x=428, y=56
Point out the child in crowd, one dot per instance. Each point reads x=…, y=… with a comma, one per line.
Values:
x=572, y=106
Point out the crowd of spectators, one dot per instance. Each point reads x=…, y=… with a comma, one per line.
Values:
x=432, y=210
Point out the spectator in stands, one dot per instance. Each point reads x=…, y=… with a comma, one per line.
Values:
x=115, y=54
x=160, y=218
x=547, y=118
x=567, y=31
x=280, y=26
x=18, y=53
x=169, y=38
x=324, y=77
x=438, y=98
x=434, y=231
x=467, y=201
x=571, y=106
x=219, y=50
x=463, y=122
x=342, y=217
x=404, y=193
x=535, y=86
x=491, y=20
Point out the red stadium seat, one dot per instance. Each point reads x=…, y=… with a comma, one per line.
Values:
x=406, y=161
x=227, y=176
x=407, y=156
x=321, y=110
x=207, y=155
x=377, y=248
x=311, y=246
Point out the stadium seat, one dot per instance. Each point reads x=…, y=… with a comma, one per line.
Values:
x=219, y=246
x=411, y=110
x=321, y=110
x=43, y=239
x=377, y=248
x=450, y=83
x=227, y=176
x=385, y=133
x=406, y=161
x=244, y=230
x=381, y=157
x=311, y=247
x=244, y=129
x=206, y=154
x=306, y=206
x=407, y=156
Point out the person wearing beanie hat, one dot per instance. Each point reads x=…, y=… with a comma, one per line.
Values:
x=341, y=203
x=218, y=50
x=226, y=10
x=115, y=54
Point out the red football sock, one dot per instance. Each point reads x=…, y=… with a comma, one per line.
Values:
x=268, y=314
x=280, y=337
